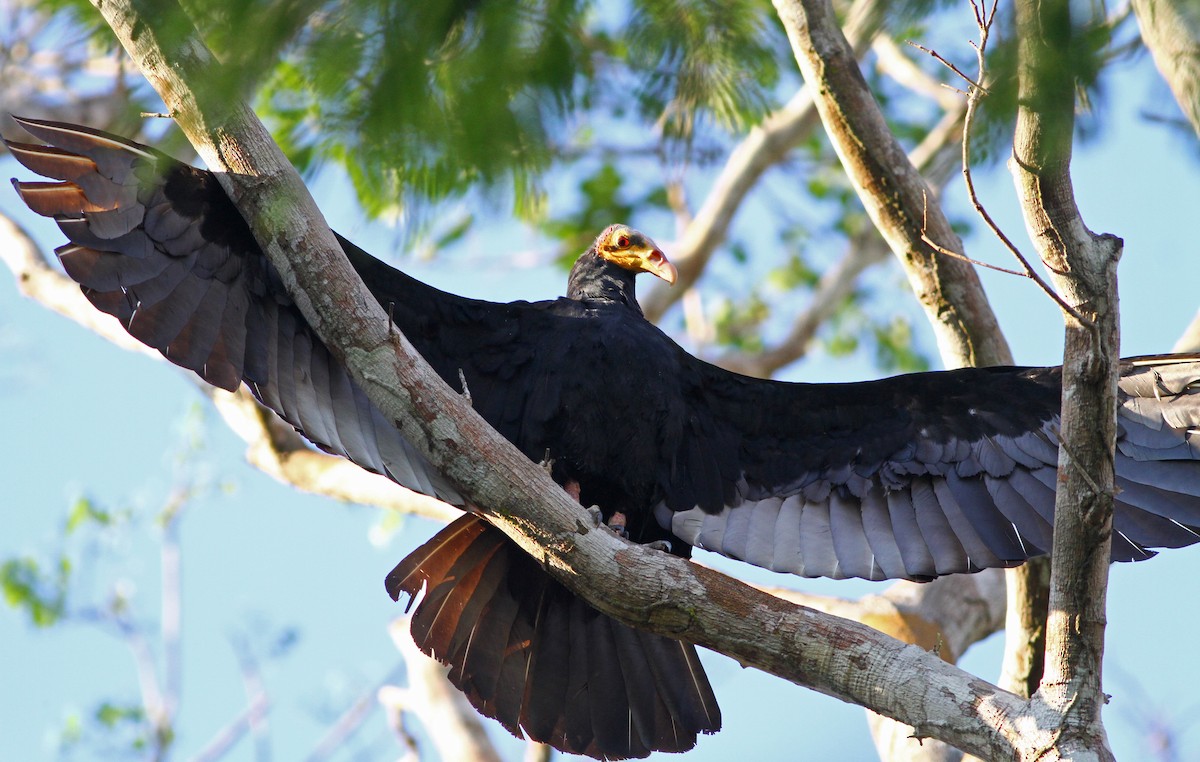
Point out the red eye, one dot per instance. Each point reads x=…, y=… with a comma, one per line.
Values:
x=623, y=241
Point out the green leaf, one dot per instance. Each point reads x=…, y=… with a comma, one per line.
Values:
x=110, y=715
x=83, y=511
x=26, y=587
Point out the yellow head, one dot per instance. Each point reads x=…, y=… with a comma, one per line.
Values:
x=634, y=251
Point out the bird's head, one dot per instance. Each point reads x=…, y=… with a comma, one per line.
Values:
x=634, y=251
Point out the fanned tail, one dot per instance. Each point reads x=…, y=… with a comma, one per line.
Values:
x=531, y=654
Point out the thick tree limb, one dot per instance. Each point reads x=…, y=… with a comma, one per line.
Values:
x=1171, y=30
x=944, y=617
x=1083, y=266
x=657, y=592
x=895, y=195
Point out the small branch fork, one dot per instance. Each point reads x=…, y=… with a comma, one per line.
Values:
x=975, y=93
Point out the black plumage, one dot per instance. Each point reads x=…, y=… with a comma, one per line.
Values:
x=909, y=477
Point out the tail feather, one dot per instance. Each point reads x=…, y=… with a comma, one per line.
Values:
x=544, y=716
x=647, y=715
x=528, y=652
x=611, y=717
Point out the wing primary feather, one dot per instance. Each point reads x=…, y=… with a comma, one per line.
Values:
x=855, y=558
x=919, y=562
x=978, y=508
x=948, y=553
x=877, y=526
x=817, y=553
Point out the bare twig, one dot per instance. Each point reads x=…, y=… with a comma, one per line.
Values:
x=892, y=62
x=453, y=726
x=976, y=91
x=951, y=66
x=229, y=735
x=352, y=719
x=172, y=609
x=256, y=692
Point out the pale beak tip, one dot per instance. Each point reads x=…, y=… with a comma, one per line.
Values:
x=659, y=265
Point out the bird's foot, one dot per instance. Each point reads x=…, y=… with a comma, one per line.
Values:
x=662, y=545
x=617, y=524
x=572, y=488
x=597, y=516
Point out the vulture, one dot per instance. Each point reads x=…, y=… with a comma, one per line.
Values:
x=910, y=477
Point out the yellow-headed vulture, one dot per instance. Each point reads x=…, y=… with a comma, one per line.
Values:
x=909, y=477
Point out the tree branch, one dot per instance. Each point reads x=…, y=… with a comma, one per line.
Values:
x=836, y=283
x=1171, y=30
x=931, y=157
x=1083, y=266
x=892, y=190
x=451, y=722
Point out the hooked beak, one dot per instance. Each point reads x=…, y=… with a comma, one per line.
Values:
x=656, y=263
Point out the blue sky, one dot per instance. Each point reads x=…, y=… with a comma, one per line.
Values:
x=84, y=418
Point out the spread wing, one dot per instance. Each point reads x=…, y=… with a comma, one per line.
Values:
x=158, y=245
x=917, y=476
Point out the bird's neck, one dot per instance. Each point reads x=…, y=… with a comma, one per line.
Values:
x=595, y=278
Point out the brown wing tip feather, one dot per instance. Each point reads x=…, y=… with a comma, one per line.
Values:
x=78, y=137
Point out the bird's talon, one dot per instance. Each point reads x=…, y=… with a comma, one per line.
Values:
x=663, y=545
x=597, y=516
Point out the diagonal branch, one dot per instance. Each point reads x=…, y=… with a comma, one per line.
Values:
x=892, y=190
x=864, y=251
x=931, y=157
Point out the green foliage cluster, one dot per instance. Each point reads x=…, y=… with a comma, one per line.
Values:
x=428, y=100
x=39, y=586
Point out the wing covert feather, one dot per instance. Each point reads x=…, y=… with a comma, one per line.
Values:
x=928, y=474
